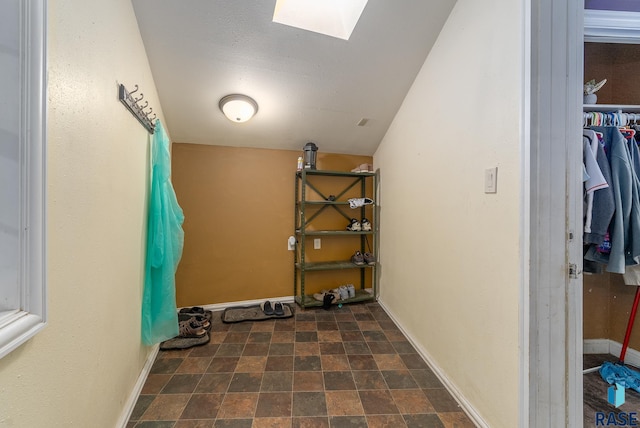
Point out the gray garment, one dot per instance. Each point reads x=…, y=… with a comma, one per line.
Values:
x=635, y=156
x=632, y=275
x=603, y=203
x=625, y=227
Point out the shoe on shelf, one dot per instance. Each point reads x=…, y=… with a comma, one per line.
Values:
x=365, y=167
x=357, y=258
x=354, y=226
x=344, y=293
x=359, y=202
x=369, y=258
x=352, y=290
x=327, y=301
x=365, y=224
x=320, y=296
x=278, y=309
x=336, y=294
x=267, y=308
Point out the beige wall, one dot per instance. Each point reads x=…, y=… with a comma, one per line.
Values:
x=450, y=253
x=80, y=370
x=238, y=206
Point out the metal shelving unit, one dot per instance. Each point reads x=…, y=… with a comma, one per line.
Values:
x=308, y=210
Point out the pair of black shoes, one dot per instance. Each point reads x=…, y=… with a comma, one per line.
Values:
x=276, y=309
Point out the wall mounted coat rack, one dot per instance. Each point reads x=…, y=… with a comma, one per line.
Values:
x=132, y=101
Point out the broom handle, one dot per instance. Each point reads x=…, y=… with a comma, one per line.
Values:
x=632, y=317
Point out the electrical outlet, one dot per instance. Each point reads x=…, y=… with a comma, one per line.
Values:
x=490, y=180
x=317, y=244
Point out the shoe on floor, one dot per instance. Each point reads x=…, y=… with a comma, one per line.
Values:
x=278, y=309
x=369, y=258
x=196, y=320
x=365, y=224
x=187, y=329
x=357, y=258
x=267, y=308
x=354, y=226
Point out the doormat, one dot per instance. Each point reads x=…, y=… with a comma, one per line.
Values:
x=252, y=313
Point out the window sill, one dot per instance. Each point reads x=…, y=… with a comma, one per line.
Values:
x=16, y=331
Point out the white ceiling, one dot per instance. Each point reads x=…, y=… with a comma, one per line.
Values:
x=309, y=87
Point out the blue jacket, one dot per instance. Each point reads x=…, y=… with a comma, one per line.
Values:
x=625, y=225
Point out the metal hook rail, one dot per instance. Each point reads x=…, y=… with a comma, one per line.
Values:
x=131, y=103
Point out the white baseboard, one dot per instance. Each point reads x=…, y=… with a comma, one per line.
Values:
x=450, y=386
x=606, y=346
x=222, y=306
x=595, y=346
x=137, y=388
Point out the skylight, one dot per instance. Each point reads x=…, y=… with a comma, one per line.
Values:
x=335, y=18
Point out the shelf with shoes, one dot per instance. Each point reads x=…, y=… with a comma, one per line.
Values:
x=329, y=204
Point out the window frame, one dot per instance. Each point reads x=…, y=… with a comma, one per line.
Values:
x=19, y=325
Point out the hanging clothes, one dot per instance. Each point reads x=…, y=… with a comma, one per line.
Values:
x=165, y=240
x=597, y=189
x=625, y=225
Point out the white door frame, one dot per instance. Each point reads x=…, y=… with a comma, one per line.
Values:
x=551, y=323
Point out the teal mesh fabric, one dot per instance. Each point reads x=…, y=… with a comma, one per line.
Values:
x=165, y=240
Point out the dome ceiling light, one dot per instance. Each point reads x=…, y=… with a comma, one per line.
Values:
x=238, y=108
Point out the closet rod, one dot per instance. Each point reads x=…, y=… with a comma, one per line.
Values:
x=611, y=118
x=137, y=110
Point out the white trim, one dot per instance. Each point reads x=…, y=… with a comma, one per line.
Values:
x=611, y=347
x=611, y=26
x=137, y=388
x=465, y=404
x=22, y=327
x=596, y=346
x=632, y=357
x=525, y=220
x=555, y=325
x=222, y=306
x=31, y=315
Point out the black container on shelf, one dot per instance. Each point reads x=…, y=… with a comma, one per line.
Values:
x=310, y=151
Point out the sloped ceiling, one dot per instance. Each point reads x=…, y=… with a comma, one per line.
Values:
x=309, y=87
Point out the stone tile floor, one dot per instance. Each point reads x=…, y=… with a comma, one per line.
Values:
x=346, y=367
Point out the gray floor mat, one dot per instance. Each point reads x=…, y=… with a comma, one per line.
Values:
x=252, y=313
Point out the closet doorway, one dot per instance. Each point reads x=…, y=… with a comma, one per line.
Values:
x=612, y=52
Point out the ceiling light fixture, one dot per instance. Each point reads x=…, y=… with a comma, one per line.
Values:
x=238, y=107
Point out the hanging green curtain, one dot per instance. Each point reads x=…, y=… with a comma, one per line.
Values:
x=165, y=240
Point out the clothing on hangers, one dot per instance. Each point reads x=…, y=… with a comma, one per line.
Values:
x=625, y=225
x=598, y=191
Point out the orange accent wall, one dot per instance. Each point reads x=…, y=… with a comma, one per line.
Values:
x=239, y=212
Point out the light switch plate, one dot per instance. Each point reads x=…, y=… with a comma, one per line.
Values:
x=317, y=244
x=491, y=180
